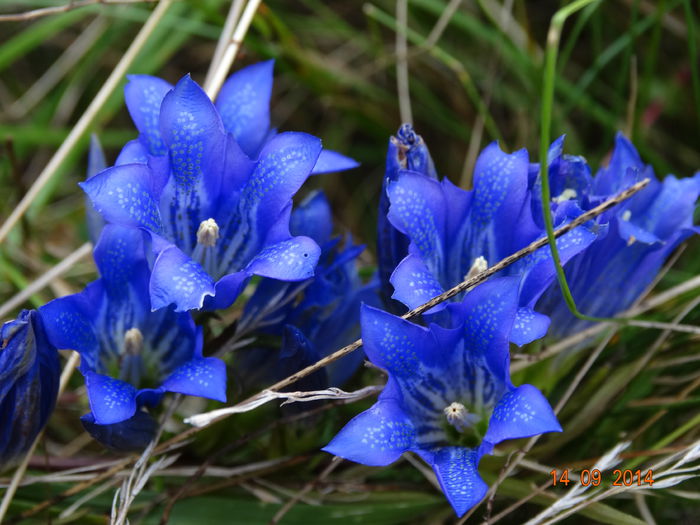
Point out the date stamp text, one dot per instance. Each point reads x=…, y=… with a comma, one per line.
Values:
x=594, y=477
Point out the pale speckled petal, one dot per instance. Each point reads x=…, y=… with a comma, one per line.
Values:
x=521, y=412
x=204, y=377
x=377, y=437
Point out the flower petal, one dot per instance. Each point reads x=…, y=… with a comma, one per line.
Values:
x=194, y=134
x=376, y=437
x=298, y=352
x=144, y=95
x=203, y=377
x=285, y=163
x=290, y=260
x=488, y=312
x=500, y=184
x=414, y=284
x=131, y=435
x=332, y=161
x=418, y=210
x=528, y=326
x=457, y=471
x=121, y=259
x=111, y=400
x=178, y=280
x=538, y=268
x=313, y=218
x=521, y=412
x=68, y=322
x=123, y=195
x=227, y=290
x=622, y=171
x=399, y=345
x=244, y=104
x=133, y=152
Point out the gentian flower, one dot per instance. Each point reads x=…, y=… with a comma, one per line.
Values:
x=456, y=233
x=406, y=151
x=635, y=238
x=316, y=317
x=448, y=397
x=29, y=376
x=130, y=355
x=212, y=187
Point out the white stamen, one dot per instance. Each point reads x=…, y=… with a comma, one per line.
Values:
x=133, y=341
x=458, y=416
x=479, y=265
x=626, y=215
x=566, y=195
x=208, y=233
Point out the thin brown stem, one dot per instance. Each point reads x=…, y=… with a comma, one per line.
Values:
x=58, y=9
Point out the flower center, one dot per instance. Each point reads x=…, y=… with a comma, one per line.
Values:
x=462, y=427
x=459, y=417
x=626, y=215
x=133, y=341
x=565, y=195
x=208, y=233
x=479, y=265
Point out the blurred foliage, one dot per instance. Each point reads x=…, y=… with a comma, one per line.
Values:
x=335, y=78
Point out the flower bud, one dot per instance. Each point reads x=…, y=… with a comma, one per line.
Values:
x=29, y=377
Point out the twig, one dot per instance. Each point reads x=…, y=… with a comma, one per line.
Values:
x=45, y=279
x=141, y=472
x=234, y=14
x=440, y=26
x=55, y=10
x=335, y=462
x=65, y=63
x=402, y=85
x=632, y=102
x=201, y=420
x=239, y=442
x=81, y=127
x=643, y=307
x=229, y=54
x=477, y=131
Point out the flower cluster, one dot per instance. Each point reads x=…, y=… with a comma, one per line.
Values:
x=197, y=214
x=634, y=240
x=449, y=397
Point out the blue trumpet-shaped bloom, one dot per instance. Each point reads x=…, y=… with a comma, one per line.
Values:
x=635, y=238
x=407, y=151
x=29, y=376
x=325, y=313
x=454, y=233
x=449, y=397
x=130, y=355
x=213, y=187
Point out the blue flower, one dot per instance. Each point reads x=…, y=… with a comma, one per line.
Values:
x=29, y=376
x=407, y=151
x=213, y=188
x=318, y=316
x=635, y=237
x=130, y=355
x=455, y=233
x=449, y=397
